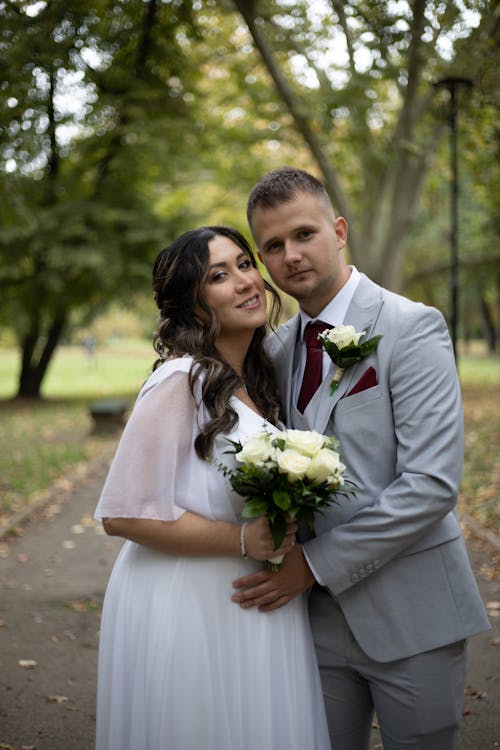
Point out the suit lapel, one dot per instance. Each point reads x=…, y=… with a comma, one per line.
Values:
x=285, y=358
x=362, y=313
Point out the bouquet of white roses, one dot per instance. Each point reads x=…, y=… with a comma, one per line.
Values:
x=292, y=472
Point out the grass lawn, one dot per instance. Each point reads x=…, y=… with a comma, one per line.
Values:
x=41, y=441
x=115, y=370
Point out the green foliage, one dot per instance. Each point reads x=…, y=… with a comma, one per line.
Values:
x=124, y=124
x=355, y=79
x=88, y=92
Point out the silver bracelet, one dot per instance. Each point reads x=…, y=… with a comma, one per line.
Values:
x=243, y=549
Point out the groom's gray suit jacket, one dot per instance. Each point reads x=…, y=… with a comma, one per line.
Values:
x=393, y=555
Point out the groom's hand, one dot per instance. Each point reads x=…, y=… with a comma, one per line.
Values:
x=268, y=591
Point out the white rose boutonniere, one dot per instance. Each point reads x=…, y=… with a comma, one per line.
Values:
x=342, y=346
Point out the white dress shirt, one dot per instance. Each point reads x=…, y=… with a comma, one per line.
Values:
x=333, y=314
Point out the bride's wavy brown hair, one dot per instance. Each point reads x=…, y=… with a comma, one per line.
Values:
x=179, y=273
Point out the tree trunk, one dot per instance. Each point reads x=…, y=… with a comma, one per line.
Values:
x=489, y=329
x=33, y=369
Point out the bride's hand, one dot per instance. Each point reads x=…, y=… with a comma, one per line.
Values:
x=259, y=542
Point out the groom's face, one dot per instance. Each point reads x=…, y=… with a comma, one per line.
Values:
x=300, y=243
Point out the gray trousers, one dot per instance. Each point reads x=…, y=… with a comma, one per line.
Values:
x=418, y=701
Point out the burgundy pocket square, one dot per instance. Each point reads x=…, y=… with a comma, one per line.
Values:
x=367, y=380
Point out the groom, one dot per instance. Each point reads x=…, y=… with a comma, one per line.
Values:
x=393, y=597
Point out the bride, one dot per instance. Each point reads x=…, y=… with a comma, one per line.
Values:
x=181, y=666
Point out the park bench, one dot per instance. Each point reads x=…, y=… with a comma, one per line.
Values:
x=108, y=414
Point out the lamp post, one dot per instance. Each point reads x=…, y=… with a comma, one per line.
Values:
x=452, y=84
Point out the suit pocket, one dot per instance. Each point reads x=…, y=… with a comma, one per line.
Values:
x=361, y=398
x=366, y=381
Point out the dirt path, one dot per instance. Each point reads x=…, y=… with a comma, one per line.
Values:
x=52, y=579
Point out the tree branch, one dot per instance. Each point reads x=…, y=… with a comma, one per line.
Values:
x=338, y=7
x=246, y=8
x=491, y=259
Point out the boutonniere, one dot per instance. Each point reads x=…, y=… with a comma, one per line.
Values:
x=342, y=346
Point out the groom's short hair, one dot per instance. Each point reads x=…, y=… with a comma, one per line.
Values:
x=281, y=186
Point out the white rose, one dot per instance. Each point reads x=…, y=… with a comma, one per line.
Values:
x=323, y=465
x=257, y=450
x=343, y=335
x=304, y=441
x=292, y=463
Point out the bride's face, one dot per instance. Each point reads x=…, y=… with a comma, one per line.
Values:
x=233, y=289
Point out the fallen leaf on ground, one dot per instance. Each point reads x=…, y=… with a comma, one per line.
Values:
x=476, y=694
x=63, y=483
x=27, y=663
x=68, y=544
x=57, y=698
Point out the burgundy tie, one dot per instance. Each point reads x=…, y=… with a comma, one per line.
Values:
x=313, y=372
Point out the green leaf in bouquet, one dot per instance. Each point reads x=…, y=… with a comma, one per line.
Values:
x=237, y=446
x=277, y=524
x=244, y=486
x=279, y=443
x=254, y=506
x=281, y=499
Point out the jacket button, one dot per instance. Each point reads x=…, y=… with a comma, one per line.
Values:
x=376, y=563
x=355, y=578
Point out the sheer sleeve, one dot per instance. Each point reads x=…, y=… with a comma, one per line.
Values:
x=151, y=475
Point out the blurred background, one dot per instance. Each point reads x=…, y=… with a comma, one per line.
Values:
x=125, y=122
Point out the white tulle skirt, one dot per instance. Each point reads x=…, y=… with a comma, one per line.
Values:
x=181, y=667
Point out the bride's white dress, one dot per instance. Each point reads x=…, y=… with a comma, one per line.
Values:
x=182, y=667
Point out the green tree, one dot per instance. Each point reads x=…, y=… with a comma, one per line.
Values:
x=88, y=94
x=428, y=260
x=356, y=81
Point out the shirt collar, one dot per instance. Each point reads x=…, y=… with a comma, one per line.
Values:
x=335, y=311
